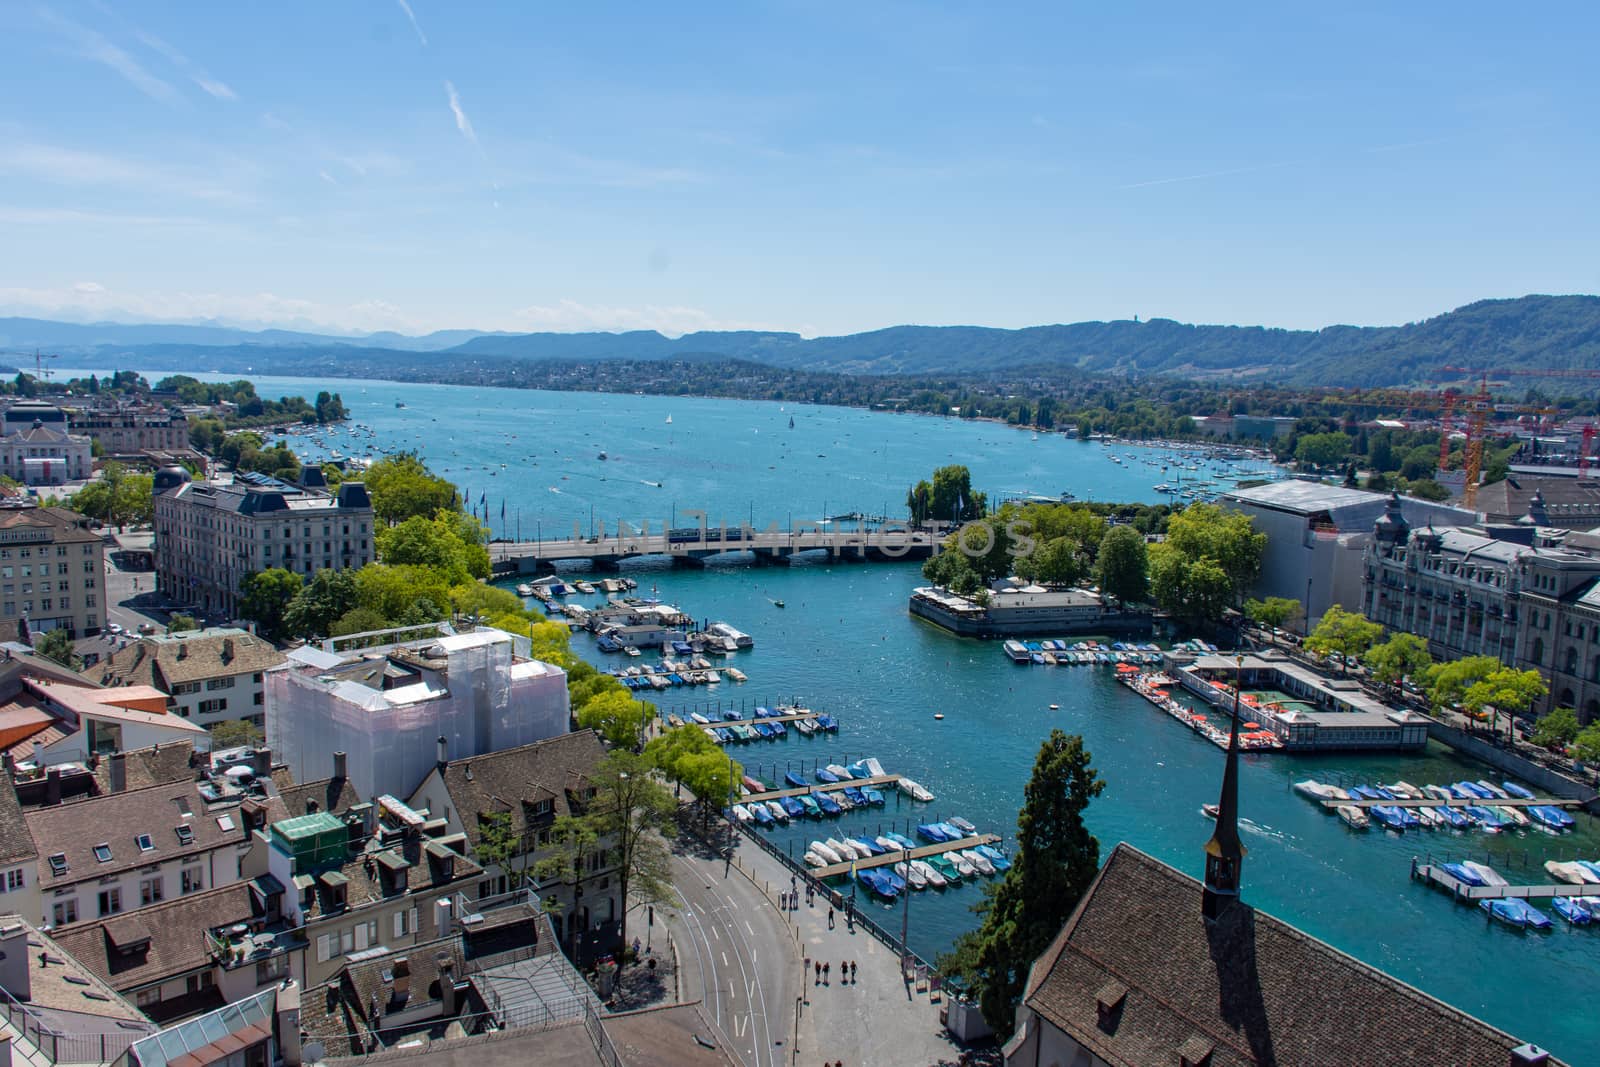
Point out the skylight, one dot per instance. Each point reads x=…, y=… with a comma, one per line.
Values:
x=58, y=863
x=102, y=852
x=225, y=821
x=144, y=843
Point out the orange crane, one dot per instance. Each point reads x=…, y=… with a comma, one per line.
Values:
x=1481, y=406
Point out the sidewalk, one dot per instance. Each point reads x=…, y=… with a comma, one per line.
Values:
x=877, y=1019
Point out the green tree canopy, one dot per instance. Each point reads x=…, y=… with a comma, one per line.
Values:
x=56, y=646
x=1056, y=859
x=402, y=487
x=1586, y=746
x=265, y=597
x=1401, y=657
x=1342, y=633
x=1507, y=691
x=450, y=544
x=321, y=602
x=951, y=498
x=1273, y=612
x=1556, y=730
x=1447, y=683
x=1194, y=589
x=1123, y=567
x=1322, y=449
x=1207, y=531
x=616, y=716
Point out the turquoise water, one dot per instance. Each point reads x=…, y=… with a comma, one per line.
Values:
x=845, y=643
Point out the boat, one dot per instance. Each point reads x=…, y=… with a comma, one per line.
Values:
x=1405, y=790
x=945, y=867
x=1017, y=651
x=1551, y=817
x=929, y=874
x=930, y=831
x=524, y=590
x=963, y=866
x=761, y=814
x=844, y=802
x=1453, y=817
x=1438, y=792
x=951, y=833
x=1516, y=913
x=914, y=790
x=826, y=775
x=843, y=849
x=777, y=811
x=812, y=860
x=1431, y=819
x=865, y=768
x=1353, y=816
x=1571, y=871
x=856, y=797
x=792, y=807
x=889, y=844
x=963, y=825
x=999, y=859
x=742, y=813
x=812, y=808
x=1387, y=815
x=913, y=875
x=1463, y=874
x=1494, y=791
x=978, y=860
x=399, y=403
x=1489, y=875
x=755, y=785
x=828, y=805
x=1319, y=791
x=872, y=796
x=805, y=726
x=1572, y=911
x=827, y=723
x=839, y=772
x=794, y=780
x=825, y=852
x=1515, y=790
x=602, y=454
x=1511, y=815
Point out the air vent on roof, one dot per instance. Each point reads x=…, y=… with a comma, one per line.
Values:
x=75, y=979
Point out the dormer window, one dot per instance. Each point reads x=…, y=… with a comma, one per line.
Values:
x=58, y=863
x=185, y=834
x=145, y=843
x=102, y=852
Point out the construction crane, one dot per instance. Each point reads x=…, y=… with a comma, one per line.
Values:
x=40, y=371
x=1480, y=406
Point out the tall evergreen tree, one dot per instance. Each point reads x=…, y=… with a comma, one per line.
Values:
x=1056, y=859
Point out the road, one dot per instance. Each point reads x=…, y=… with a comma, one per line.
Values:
x=736, y=955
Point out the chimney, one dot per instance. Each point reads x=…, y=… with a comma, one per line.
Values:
x=38, y=755
x=442, y=908
x=444, y=752
x=447, y=984
x=227, y=650
x=1529, y=1056
x=15, y=978
x=402, y=980
x=261, y=762
x=8, y=762
x=52, y=786
x=183, y=649
x=119, y=771
x=339, y=765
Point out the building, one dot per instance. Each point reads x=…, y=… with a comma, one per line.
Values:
x=260, y=1029
x=1569, y=503
x=1018, y=610
x=38, y=448
x=532, y=786
x=89, y=723
x=209, y=676
x=19, y=857
x=133, y=432
x=399, y=708
x=52, y=567
x=211, y=535
x=1316, y=535
x=115, y=854
x=53, y=1009
x=1153, y=967
x=1558, y=634
x=1316, y=713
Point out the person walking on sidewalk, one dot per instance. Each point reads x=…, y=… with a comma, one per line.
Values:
x=819, y=974
x=852, y=972
x=830, y=918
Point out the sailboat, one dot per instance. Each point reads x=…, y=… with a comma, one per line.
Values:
x=791, y=422
x=669, y=420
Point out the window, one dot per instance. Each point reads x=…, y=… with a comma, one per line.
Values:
x=111, y=900
x=185, y=834
x=271, y=970
x=199, y=983
x=147, y=998
x=193, y=880
x=102, y=852
x=65, y=911
x=14, y=881
x=144, y=842
x=225, y=822
x=58, y=863
x=220, y=683
x=208, y=707
x=151, y=891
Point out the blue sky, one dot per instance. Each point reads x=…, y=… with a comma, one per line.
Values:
x=822, y=168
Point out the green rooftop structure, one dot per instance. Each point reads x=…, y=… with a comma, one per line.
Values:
x=313, y=841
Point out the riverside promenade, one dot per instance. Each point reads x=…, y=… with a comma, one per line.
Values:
x=742, y=958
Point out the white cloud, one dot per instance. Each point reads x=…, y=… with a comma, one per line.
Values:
x=89, y=301
x=412, y=15
x=463, y=123
x=93, y=46
x=72, y=166
x=217, y=89
x=325, y=176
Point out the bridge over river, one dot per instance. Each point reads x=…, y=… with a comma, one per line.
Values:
x=692, y=547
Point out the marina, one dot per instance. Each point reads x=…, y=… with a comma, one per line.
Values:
x=824, y=787
x=834, y=870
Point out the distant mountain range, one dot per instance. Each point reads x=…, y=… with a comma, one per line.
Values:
x=1510, y=337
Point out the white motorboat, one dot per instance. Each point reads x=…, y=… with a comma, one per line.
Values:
x=1428, y=817
x=964, y=866
x=1569, y=871
x=839, y=772
x=914, y=877
x=978, y=860
x=1438, y=792
x=1488, y=875
x=889, y=844
x=1316, y=790
x=1405, y=790
x=845, y=851
x=777, y=811
x=1515, y=815
x=813, y=860
x=1493, y=789
x=931, y=876
x=828, y=855
x=1353, y=816
x=963, y=825
x=914, y=790
x=742, y=813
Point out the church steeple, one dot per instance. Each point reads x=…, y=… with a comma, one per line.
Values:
x=1225, y=852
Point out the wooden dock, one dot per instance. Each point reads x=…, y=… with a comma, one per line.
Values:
x=889, y=780
x=1437, y=876
x=1435, y=802
x=803, y=713
x=833, y=870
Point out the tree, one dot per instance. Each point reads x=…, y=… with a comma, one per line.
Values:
x=405, y=596
x=1194, y=589
x=952, y=570
x=1586, y=746
x=1056, y=859
x=1553, y=731
x=627, y=816
x=499, y=845
x=952, y=499
x=402, y=487
x=1275, y=612
x=1506, y=691
x=919, y=500
x=56, y=646
x=1401, y=657
x=1447, y=683
x=265, y=596
x=616, y=716
x=321, y=602
x=449, y=543
x=1057, y=561
x=235, y=733
x=1322, y=449
x=685, y=754
x=1345, y=634
x=117, y=498
x=1123, y=567
x=180, y=622
x=1202, y=531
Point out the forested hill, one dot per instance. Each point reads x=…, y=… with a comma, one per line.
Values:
x=1531, y=333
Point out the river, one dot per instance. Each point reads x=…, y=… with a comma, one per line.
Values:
x=844, y=643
